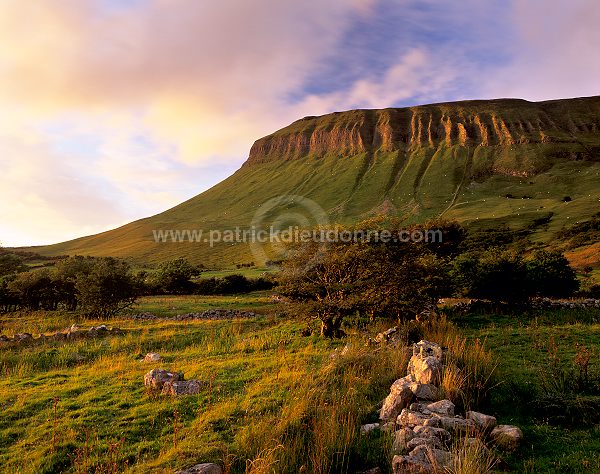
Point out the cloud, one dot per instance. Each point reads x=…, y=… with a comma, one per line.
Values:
x=134, y=106
x=554, y=53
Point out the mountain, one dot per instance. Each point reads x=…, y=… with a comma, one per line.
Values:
x=486, y=163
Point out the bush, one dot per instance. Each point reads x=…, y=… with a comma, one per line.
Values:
x=549, y=274
x=108, y=288
x=10, y=264
x=232, y=284
x=174, y=277
x=334, y=281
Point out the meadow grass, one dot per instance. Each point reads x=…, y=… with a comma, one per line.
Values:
x=523, y=344
x=274, y=401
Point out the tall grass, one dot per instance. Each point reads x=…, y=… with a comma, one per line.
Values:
x=468, y=375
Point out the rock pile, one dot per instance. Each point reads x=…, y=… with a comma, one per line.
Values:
x=425, y=425
x=210, y=314
x=71, y=333
x=171, y=383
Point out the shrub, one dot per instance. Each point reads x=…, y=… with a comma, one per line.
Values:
x=108, y=288
x=549, y=274
x=10, y=264
x=174, y=277
x=382, y=279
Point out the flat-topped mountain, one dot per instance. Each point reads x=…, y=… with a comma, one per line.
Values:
x=532, y=165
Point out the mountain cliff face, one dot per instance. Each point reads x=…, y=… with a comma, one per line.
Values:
x=503, y=162
x=493, y=123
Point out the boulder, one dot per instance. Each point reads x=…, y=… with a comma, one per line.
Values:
x=206, y=468
x=432, y=442
x=482, y=422
x=152, y=357
x=410, y=464
x=156, y=378
x=431, y=432
x=456, y=424
x=425, y=391
x=408, y=418
x=399, y=398
x=506, y=437
x=401, y=439
x=427, y=349
x=439, y=457
x=184, y=387
x=425, y=370
x=443, y=407
x=434, y=422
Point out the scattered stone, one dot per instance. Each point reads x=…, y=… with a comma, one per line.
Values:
x=156, y=378
x=507, y=437
x=368, y=428
x=152, y=357
x=206, y=468
x=182, y=387
x=482, y=422
x=210, y=314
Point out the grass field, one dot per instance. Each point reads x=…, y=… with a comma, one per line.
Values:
x=275, y=401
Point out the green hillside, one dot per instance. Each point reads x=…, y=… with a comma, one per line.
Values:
x=485, y=163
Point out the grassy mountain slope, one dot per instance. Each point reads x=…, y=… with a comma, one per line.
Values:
x=457, y=160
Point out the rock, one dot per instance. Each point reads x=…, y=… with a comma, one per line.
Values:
x=152, y=357
x=476, y=445
x=184, y=387
x=368, y=428
x=482, y=422
x=375, y=470
x=420, y=407
x=439, y=457
x=507, y=437
x=425, y=370
x=156, y=378
x=434, y=422
x=385, y=335
x=425, y=391
x=411, y=418
x=410, y=464
x=431, y=432
x=432, y=442
x=425, y=349
x=401, y=439
x=456, y=424
x=206, y=468
x=399, y=398
x=443, y=407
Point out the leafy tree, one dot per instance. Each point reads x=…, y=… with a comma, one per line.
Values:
x=550, y=274
x=382, y=279
x=109, y=287
x=174, y=276
x=496, y=274
x=35, y=290
x=10, y=264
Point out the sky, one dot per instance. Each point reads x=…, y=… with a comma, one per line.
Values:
x=113, y=110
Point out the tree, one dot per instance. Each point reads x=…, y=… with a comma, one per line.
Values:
x=109, y=287
x=389, y=279
x=174, y=276
x=549, y=274
x=495, y=274
x=10, y=264
x=35, y=290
